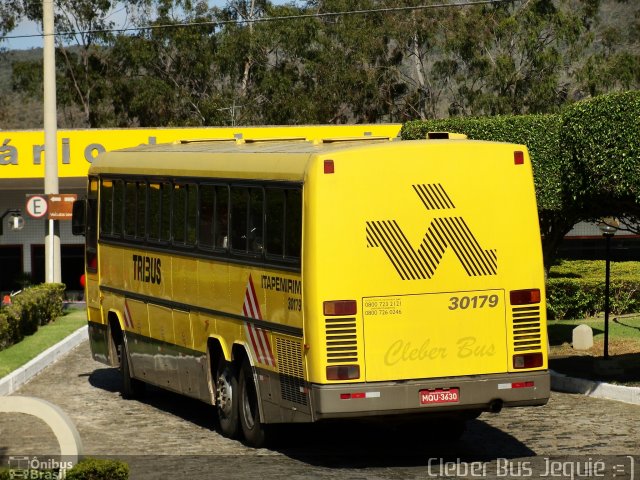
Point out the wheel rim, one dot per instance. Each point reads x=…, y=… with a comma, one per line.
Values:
x=248, y=412
x=225, y=394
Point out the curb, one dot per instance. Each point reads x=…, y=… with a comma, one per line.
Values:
x=591, y=388
x=26, y=372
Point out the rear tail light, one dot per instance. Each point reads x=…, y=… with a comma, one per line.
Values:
x=335, y=308
x=343, y=372
x=527, y=360
x=329, y=167
x=518, y=157
x=524, y=297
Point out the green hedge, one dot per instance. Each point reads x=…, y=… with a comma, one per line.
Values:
x=576, y=289
x=29, y=309
x=94, y=469
x=601, y=136
x=87, y=469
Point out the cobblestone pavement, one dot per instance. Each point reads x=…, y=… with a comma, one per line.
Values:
x=166, y=433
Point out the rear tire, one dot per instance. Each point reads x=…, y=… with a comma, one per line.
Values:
x=227, y=399
x=131, y=387
x=254, y=432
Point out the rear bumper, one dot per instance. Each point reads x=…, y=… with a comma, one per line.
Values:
x=477, y=393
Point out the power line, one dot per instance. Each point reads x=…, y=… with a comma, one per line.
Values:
x=265, y=19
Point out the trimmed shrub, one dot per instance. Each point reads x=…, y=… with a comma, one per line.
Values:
x=95, y=469
x=600, y=136
x=576, y=289
x=29, y=309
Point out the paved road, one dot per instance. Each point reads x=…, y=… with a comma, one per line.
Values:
x=168, y=433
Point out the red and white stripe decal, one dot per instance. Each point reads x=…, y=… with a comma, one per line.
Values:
x=258, y=337
x=128, y=320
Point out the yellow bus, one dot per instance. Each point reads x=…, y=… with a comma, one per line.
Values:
x=312, y=278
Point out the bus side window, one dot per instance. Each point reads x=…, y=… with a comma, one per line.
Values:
x=130, y=208
x=118, y=204
x=179, y=213
x=192, y=214
x=256, y=221
x=165, y=212
x=206, y=205
x=239, y=214
x=275, y=222
x=106, y=207
x=153, y=226
x=293, y=227
x=141, y=210
x=221, y=222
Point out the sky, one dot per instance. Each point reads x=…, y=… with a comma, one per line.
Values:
x=24, y=28
x=31, y=28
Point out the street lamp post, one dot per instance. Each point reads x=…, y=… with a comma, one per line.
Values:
x=608, y=227
x=51, y=184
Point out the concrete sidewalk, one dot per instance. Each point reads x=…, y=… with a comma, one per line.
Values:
x=23, y=374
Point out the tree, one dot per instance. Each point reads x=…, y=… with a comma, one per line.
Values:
x=612, y=67
x=81, y=45
x=10, y=13
x=508, y=58
x=167, y=76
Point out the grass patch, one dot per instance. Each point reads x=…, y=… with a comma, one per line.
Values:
x=47, y=335
x=620, y=328
x=623, y=366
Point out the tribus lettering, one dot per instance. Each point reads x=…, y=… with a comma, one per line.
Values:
x=146, y=269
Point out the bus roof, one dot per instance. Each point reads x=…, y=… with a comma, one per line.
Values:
x=283, y=159
x=269, y=158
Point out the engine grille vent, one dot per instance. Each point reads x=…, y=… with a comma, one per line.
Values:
x=342, y=340
x=291, y=370
x=526, y=328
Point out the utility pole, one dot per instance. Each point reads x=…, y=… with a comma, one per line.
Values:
x=52, y=237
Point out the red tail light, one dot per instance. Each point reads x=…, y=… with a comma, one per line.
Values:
x=518, y=158
x=527, y=360
x=335, y=308
x=525, y=297
x=329, y=167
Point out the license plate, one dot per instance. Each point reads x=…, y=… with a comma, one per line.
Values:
x=439, y=395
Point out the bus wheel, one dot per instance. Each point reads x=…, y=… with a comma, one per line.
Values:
x=131, y=387
x=253, y=430
x=227, y=399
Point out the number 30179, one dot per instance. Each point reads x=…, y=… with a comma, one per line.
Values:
x=295, y=304
x=476, y=301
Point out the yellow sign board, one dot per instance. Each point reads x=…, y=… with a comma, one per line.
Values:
x=22, y=153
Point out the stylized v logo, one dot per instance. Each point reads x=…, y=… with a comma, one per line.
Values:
x=445, y=232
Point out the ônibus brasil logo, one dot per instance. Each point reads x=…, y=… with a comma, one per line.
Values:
x=443, y=232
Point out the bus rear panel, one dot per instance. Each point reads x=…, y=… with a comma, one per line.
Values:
x=424, y=284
